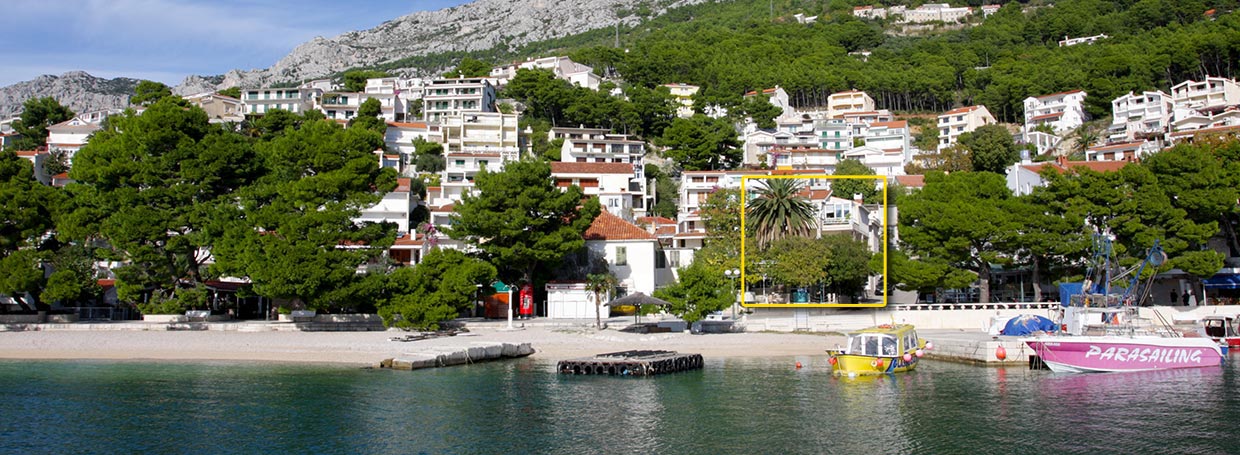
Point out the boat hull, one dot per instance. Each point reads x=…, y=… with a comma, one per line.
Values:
x=1088, y=354
x=862, y=365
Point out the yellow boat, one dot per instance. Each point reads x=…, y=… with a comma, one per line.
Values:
x=876, y=350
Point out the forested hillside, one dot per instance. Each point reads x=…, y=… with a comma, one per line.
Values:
x=729, y=48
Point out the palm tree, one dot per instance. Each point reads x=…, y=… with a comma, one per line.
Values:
x=780, y=211
x=599, y=283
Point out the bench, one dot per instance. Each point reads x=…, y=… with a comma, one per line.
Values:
x=302, y=315
x=200, y=315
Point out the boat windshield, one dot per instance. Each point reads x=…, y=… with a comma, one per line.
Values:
x=872, y=344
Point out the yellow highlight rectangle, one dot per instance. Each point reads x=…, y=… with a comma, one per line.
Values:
x=886, y=209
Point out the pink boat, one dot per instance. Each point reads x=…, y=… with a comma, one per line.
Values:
x=1087, y=354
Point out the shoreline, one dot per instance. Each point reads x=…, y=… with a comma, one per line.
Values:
x=368, y=348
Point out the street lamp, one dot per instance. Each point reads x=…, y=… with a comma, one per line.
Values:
x=732, y=275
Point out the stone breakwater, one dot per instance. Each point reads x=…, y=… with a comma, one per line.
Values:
x=444, y=356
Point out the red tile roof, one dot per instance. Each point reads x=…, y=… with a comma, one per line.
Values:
x=1096, y=166
x=1218, y=129
x=655, y=220
x=409, y=239
x=444, y=208
x=590, y=168
x=911, y=181
x=1113, y=147
x=402, y=185
x=961, y=110
x=407, y=124
x=895, y=124
x=610, y=227
x=1047, y=116
x=28, y=153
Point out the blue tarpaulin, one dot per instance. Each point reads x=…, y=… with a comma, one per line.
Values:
x=1223, y=281
x=1026, y=324
x=1067, y=290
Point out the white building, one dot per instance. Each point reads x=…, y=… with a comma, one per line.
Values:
x=850, y=101
x=69, y=136
x=563, y=68
x=1196, y=103
x=683, y=93
x=1121, y=151
x=293, y=99
x=1082, y=40
x=890, y=137
x=474, y=141
x=399, y=136
x=1063, y=112
x=444, y=98
x=395, y=207
x=1139, y=116
x=962, y=120
x=779, y=98
x=219, y=108
x=620, y=187
x=834, y=134
x=592, y=147
x=1022, y=178
x=941, y=12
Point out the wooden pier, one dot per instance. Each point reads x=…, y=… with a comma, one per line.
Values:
x=632, y=363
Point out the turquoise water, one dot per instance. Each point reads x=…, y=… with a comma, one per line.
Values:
x=733, y=406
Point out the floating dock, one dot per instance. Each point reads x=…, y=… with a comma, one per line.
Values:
x=457, y=355
x=976, y=347
x=632, y=363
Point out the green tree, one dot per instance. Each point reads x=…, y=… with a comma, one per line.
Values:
x=368, y=116
x=760, y=109
x=847, y=188
x=667, y=192
x=429, y=155
x=991, y=148
x=148, y=92
x=155, y=187
x=600, y=284
x=701, y=143
x=28, y=210
x=700, y=290
x=469, y=67
x=779, y=211
x=297, y=238
x=37, y=115
x=849, y=267
x=232, y=92
x=519, y=219
x=437, y=290
x=798, y=261
x=963, y=219
x=355, y=81
x=73, y=281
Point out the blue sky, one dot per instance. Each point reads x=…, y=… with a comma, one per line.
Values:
x=166, y=40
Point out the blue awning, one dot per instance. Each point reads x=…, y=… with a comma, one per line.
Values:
x=1223, y=281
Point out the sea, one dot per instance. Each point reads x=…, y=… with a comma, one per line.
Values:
x=738, y=405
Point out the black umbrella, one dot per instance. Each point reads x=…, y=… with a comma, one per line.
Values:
x=638, y=299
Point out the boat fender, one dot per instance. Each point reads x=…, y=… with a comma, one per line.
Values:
x=832, y=360
x=920, y=353
x=1001, y=353
x=929, y=345
x=908, y=357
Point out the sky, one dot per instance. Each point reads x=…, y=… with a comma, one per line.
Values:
x=166, y=40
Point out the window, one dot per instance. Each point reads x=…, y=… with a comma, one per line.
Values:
x=660, y=260
x=482, y=163
x=613, y=203
x=460, y=163
x=622, y=256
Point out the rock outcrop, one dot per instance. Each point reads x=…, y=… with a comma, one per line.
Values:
x=76, y=89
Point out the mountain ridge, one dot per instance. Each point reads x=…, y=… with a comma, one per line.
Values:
x=475, y=26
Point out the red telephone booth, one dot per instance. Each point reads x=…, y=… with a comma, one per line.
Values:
x=527, y=301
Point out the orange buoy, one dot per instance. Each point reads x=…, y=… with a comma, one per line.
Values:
x=1001, y=352
x=798, y=365
x=832, y=360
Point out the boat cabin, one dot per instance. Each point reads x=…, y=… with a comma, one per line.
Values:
x=883, y=341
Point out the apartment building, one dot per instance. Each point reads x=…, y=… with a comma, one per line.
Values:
x=1196, y=103
x=1141, y=116
x=850, y=101
x=620, y=187
x=219, y=108
x=941, y=12
x=589, y=145
x=1063, y=112
x=1066, y=41
x=683, y=94
x=563, y=68
x=395, y=207
x=444, y=98
x=961, y=120
x=297, y=100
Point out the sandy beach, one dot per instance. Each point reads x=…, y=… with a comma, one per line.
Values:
x=368, y=348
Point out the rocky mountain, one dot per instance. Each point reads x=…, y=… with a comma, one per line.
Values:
x=76, y=89
x=479, y=25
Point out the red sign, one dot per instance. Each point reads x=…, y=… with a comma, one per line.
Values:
x=527, y=301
